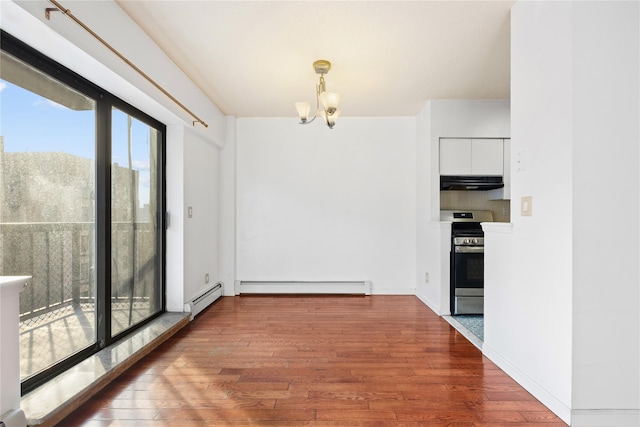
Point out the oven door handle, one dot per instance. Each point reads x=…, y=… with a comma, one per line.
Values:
x=469, y=249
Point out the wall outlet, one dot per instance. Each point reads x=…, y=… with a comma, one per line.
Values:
x=206, y=278
x=426, y=277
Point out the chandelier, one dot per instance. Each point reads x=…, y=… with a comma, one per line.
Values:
x=329, y=100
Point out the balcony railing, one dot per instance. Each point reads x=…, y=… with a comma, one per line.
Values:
x=57, y=310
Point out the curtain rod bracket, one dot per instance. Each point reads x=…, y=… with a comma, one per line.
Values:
x=47, y=12
x=199, y=121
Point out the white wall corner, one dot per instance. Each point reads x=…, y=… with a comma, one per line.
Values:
x=227, y=208
x=432, y=305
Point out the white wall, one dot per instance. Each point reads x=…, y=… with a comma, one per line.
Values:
x=528, y=313
x=193, y=244
x=606, y=132
x=440, y=119
x=561, y=293
x=319, y=204
x=192, y=152
x=175, y=247
x=201, y=194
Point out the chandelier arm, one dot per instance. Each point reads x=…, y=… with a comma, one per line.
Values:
x=308, y=121
x=319, y=89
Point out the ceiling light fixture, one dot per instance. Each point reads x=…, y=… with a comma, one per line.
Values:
x=329, y=100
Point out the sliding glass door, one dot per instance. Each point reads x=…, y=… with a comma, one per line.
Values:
x=48, y=222
x=135, y=266
x=82, y=202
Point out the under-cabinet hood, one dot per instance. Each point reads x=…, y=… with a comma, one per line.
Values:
x=470, y=183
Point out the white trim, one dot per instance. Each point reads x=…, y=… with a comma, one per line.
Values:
x=605, y=417
x=497, y=227
x=529, y=384
x=393, y=291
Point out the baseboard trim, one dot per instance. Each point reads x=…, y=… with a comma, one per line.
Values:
x=529, y=384
x=392, y=291
x=605, y=417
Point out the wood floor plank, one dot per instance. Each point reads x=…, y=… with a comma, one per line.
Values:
x=315, y=361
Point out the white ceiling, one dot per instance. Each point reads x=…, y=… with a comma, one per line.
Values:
x=253, y=58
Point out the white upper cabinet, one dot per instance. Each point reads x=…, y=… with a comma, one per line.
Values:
x=487, y=157
x=467, y=156
x=455, y=156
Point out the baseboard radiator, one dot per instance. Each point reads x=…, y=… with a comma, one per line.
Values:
x=293, y=287
x=202, y=301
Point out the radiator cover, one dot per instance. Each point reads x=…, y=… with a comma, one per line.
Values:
x=204, y=299
x=303, y=287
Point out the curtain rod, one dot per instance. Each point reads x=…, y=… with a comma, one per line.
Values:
x=67, y=12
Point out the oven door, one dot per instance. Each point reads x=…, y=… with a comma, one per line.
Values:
x=468, y=267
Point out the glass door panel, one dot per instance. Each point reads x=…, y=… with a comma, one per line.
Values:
x=47, y=214
x=135, y=259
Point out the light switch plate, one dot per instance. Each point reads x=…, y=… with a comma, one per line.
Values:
x=190, y=212
x=526, y=205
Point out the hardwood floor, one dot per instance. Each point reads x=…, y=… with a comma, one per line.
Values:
x=315, y=361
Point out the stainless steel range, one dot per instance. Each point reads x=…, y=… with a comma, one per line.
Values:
x=467, y=259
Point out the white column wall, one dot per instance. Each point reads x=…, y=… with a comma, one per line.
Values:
x=227, y=209
x=175, y=291
x=606, y=291
x=319, y=204
x=528, y=312
x=561, y=300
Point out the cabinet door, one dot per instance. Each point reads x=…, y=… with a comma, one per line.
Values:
x=455, y=156
x=487, y=157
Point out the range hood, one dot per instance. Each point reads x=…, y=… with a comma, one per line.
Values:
x=470, y=183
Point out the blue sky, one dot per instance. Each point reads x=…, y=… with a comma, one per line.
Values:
x=31, y=123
